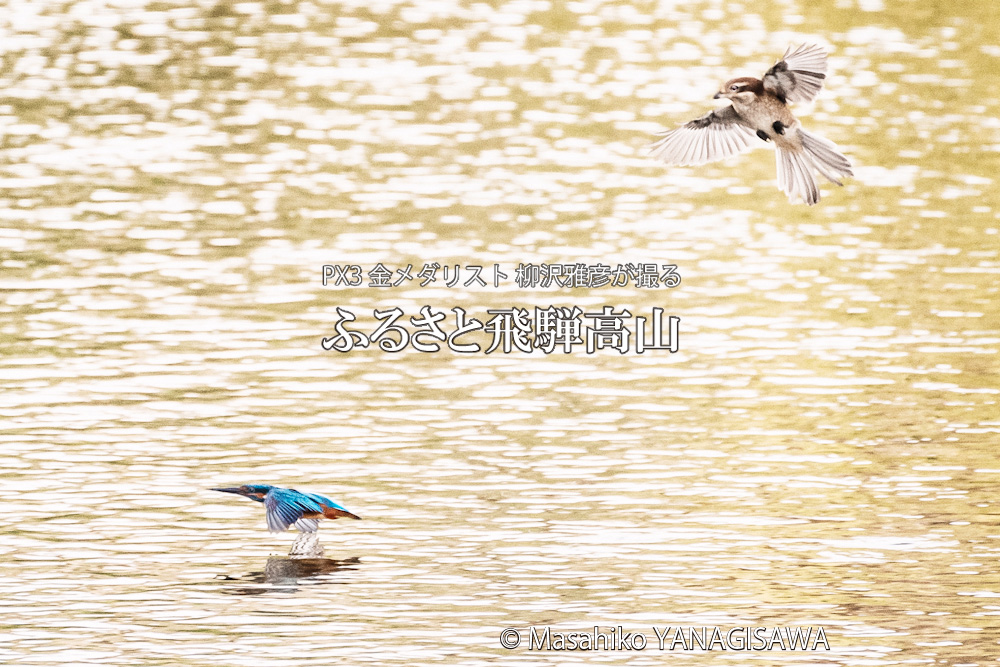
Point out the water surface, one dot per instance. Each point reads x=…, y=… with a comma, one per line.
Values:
x=820, y=452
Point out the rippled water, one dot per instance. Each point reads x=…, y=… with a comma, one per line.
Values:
x=820, y=452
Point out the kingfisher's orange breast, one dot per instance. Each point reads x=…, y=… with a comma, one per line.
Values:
x=334, y=513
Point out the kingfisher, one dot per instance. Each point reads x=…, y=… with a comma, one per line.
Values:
x=288, y=507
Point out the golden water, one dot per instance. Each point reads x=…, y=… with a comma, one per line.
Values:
x=820, y=452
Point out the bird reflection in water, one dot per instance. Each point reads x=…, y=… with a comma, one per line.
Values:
x=286, y=574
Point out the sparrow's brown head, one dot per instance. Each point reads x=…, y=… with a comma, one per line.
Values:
x=744, y=87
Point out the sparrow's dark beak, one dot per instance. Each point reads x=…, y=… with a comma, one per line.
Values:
x=716, y=96
x=233, y=489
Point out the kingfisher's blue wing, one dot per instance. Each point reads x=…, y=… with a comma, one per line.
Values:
x=331, y=509
x=286, y=507
x=323, y=500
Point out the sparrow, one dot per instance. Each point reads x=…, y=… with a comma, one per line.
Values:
x=759, y=108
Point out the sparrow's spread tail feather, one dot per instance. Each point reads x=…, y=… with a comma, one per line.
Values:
x=796, y=166
x=828, y=160
x=795, y=176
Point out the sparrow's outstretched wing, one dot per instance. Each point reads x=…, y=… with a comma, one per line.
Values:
x=715, y=136
x=799, y=75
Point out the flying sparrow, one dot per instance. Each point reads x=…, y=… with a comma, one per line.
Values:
x=760, y=107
